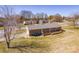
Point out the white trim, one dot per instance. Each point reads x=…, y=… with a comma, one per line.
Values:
x=27, y=33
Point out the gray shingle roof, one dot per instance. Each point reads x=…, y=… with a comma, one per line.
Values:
x=43, y=26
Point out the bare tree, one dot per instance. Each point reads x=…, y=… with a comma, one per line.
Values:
x=74, y=19
x=9, y=24
x=26, y=14
x=56, y=18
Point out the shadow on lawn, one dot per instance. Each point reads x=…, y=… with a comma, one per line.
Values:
x=22, y=49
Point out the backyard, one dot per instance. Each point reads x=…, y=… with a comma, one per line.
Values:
x=67, y=41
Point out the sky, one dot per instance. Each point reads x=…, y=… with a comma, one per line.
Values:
x=64, y=10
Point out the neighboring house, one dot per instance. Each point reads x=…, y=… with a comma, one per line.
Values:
x=1, y=23
x=42, y=29
x=28, y=22
x=77, y=23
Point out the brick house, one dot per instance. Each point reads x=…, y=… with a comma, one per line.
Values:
x=42, y=29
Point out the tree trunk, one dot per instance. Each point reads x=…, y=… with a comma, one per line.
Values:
x=8, y=44
x=74, y=23
x=7, y=37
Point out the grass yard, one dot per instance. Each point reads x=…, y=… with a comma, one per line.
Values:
x=67, y=41
x=34, y=44
x=20, y=31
